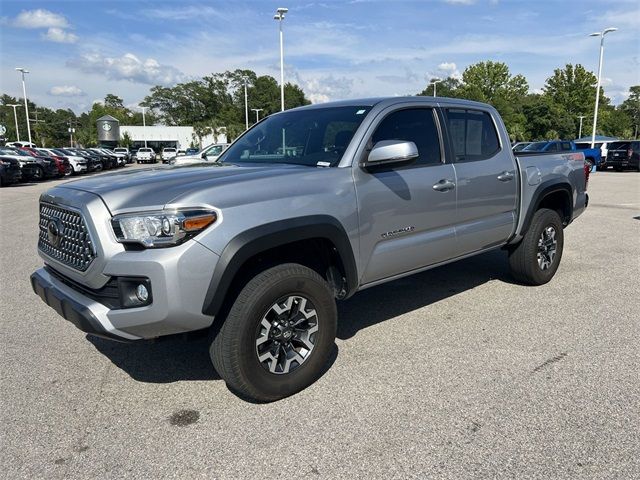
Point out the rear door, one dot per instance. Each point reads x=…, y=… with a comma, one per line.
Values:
x=487, y=184
x=406, y=213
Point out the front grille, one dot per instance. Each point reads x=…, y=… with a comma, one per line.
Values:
x=72, y=245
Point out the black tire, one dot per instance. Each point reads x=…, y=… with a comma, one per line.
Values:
x=38, y=174
x=233, y=348
x=523, y=258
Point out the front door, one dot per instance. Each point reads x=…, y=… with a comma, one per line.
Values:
x=406, y=213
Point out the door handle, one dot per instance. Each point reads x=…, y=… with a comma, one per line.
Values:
x=444, y=185
x=505, y=176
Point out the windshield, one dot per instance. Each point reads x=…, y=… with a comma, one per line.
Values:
x=144, y=150
x=313, y=137
x=535, y=147
x=169, y=150
x=120, y=150
x=619, y=145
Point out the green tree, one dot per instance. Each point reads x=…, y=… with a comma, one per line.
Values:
x=631, y=106
x=448, y=87
x=125, y=140
x=492, y=83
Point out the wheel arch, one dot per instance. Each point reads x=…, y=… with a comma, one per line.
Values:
x=280, y=241
x=556, y=196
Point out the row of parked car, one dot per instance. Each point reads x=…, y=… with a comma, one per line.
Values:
x=619, y=155
x=20, y=162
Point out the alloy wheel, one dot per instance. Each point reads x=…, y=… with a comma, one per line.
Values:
x=547, y=247
x=286, y=334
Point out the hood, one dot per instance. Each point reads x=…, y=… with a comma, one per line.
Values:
x=158, y=186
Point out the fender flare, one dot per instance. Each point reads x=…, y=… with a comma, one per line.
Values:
x=545, y=189
x=270, y=235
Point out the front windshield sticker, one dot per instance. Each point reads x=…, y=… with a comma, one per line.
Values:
x=360, y=112
x=323, y=164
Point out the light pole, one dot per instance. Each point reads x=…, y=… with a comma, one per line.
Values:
x=24, y=91
x=280, y=17
x=246, y=104
x=580, y=129
x=71, y=131
x=144, y=126
x=15, y=117
x=595, y=112
x=257, y=110
x=434, y=82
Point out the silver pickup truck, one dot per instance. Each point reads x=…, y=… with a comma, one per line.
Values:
x=307, y=207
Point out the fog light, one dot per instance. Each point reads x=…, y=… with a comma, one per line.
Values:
x=142, y=293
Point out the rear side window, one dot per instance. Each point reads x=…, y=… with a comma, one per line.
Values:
x=566, y=146
x=473, y=135
x=415, y=125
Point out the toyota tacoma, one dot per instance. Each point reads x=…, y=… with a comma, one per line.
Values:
x=307, y=207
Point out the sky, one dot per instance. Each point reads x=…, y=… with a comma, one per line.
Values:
x=78, y=51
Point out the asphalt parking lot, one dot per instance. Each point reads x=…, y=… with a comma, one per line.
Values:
x=452, y=373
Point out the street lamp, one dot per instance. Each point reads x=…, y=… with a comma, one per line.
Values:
x=24, y=91
x=246, y=104
x=434, y=82
x=257, y=110
x=580, y=129
x=15, y=116
x=144, y=126
x=280, y=17
x=595, y=112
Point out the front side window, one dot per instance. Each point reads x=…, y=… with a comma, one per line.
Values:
x=213, y=151
x=312, y=137
x=415, y=125
x=473, y=135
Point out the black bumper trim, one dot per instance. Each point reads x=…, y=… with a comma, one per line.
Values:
x=69, y=309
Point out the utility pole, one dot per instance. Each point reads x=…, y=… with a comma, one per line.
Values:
x=26, y=107
x=15, y=117
x=280, y=13
x=71, y=131
x=595, y=111
x=144, y=126
x=246, y=104
x=257, y=110
x=580, y=129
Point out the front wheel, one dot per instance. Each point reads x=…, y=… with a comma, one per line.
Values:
x=535, y=260
x=278, y=334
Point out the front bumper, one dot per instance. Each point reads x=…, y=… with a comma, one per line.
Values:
x=74, y=309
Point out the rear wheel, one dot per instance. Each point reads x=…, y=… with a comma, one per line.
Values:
x=38, y=174
x=278, y=334
x=535, y=260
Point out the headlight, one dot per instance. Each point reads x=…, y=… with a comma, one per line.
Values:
x=161, y=229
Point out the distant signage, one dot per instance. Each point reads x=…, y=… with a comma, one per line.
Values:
x=108, y=130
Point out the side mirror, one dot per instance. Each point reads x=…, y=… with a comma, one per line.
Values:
x=391, y=152
x=203, y=155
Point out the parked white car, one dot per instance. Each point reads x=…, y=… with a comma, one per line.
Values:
x=78, y=164
x=20, y=144
x=167, y=154
x=207, y=154
x=145, y=155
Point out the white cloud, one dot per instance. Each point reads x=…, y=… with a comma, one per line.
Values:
x=460, y=2
x=183, y=13
x=128, y=67
x=40, y=18
x=66, y=91
x=59, y=35
x=323, y=88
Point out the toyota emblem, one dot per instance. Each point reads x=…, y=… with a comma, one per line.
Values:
x=54, y=231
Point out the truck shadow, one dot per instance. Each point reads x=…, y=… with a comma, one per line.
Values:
x=377, y=304
x=174, y=359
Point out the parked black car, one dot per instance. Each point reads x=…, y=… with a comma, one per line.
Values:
x=37, y=168
x=623, y=154
x=10, y=171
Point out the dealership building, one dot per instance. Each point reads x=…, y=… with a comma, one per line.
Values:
x=110, y=133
